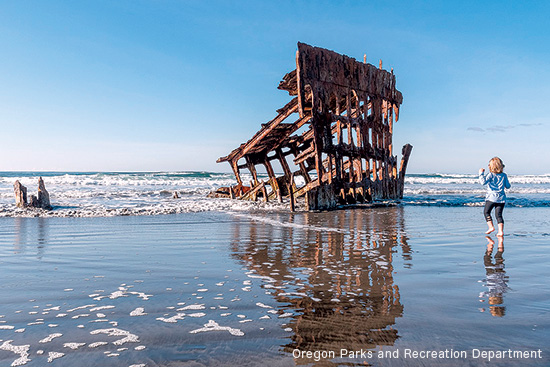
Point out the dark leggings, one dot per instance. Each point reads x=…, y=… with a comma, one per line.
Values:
x=489, y=205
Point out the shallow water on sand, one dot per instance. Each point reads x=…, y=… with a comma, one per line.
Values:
x=252, y=289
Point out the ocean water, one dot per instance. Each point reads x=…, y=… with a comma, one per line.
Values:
x=218, y=282
x=265, y=288
x=86, y=194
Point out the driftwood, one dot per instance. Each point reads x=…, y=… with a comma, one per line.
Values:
x=42, y=201
x=340, y=143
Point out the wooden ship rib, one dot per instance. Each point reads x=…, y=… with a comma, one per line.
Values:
x=336, y=131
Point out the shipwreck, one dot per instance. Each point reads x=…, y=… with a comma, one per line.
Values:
x=332, y=141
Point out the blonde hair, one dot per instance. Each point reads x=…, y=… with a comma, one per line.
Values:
x=496, y=165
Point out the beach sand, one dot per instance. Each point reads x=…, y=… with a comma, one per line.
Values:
x=263, y=289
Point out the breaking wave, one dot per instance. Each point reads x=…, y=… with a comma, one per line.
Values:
x=83, y=194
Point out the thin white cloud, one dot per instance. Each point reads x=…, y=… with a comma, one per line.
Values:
x=500, y=128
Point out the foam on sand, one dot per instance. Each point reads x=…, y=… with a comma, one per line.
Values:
x=173, y=319
x=97, y=344
x=127, y=336
x=192, y=307
x=22, y=350
x=81, y=315
x=214, y=326
x=101, y=308
x=54, y=355
x=50, y=337
x=74, y=345
x=138, y=312
x=80, y=308
x=197, y=314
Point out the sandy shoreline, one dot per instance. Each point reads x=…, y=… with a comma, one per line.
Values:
x=251, y=288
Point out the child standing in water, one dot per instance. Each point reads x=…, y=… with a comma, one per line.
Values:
x=496, y=182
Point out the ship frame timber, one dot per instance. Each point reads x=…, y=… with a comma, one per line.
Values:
x=338, y=140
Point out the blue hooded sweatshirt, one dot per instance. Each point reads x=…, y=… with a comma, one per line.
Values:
x=496, y=183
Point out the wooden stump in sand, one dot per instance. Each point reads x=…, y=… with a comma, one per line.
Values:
x=42, y=201
x=43, y=196
x=20, y=194
x=33, y=202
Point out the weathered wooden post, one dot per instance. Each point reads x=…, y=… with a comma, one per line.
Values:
x=42, y=201
x=20, y=195
x=264, y=192
x=291, y=192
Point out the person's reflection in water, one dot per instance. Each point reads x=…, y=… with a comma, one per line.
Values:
x=496, y=280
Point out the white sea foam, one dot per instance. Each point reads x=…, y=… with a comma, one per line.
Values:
x=127, y=336
x=142, y=295
x=81, y=315
x=54, y=355
x=197, y=314
x=74, y=345
x=138, y=312
x=113, y=194
x=214, y=326
x=173, y=319
x=97, y=344
x=22, y=350
x=192, y=307
x=259, y=304
x=107, y=307
x=51, y=337
x=80, y=308
x=56, y=308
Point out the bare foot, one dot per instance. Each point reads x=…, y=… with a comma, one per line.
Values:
x=500, y=234
x=491, y=230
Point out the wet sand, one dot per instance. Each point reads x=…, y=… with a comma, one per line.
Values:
x=245, y=289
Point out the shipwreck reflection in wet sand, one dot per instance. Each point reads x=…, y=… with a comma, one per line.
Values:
x=332, y=272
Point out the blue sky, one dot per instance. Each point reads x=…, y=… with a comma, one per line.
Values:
x=173, y=85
